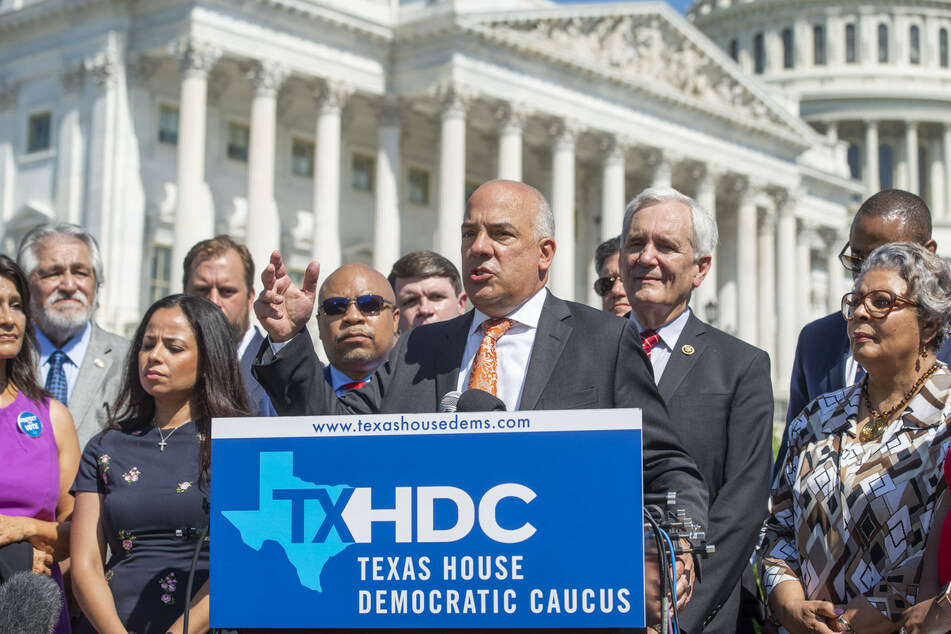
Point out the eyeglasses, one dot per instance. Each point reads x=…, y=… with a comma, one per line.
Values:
x=878, y=304
x=851, y=262
x=603, y=285
x=366, y=304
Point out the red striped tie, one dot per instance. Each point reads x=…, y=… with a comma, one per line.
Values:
x=649, y=339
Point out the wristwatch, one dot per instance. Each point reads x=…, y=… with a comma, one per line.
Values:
x=944, y=599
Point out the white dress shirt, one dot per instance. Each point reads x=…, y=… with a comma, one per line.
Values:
x=75, y=350
x=246, y=341
x=514, y=349
x=669, y=334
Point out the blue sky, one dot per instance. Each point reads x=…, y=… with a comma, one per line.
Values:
x=680, y=5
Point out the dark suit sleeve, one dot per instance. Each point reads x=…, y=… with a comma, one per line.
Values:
x=667, y=467
x=798, y=396
x=739, y=509
x=294, y=380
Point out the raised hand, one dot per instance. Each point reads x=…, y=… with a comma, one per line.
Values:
x=282, y=308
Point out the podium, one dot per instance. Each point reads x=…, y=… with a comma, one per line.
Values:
x=453, y=520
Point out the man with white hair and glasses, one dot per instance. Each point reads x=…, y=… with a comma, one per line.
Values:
x=64, y=268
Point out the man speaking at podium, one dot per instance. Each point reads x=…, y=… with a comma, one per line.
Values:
x=521, y=343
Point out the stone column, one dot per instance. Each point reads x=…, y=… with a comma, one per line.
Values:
x=69, y=152
x=264, y=221
x=836, y=272
x=804, y=273
x=937, y=195
x=911, y=156
x=945, y=213
x=9, y=91
x=766, y=278
x=452, y=168
x=511, y=124
x=787, y=319
x=561, y=277
x=613, y=199
x=663, y=169
x=746, y=265
x=386, y=225
x=330, y=96
x=194, y=221
x=706, y=197
x=872, y=176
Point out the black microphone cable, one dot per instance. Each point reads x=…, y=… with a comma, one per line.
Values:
x=667, y=579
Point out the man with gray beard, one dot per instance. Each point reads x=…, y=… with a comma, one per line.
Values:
x=80, y=364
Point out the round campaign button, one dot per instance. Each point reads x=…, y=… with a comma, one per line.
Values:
x=30, y=424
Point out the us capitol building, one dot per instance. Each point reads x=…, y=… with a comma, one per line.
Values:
x=355, y=129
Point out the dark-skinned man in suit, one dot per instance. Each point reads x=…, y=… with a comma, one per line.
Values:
x=555, y=355
x=716, y=387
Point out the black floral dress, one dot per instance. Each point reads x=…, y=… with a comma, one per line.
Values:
x=149, y=493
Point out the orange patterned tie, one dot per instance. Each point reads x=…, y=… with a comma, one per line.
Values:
x=485, y=366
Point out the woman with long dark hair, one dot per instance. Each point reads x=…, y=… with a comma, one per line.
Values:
x=147, y=475
x=38, y=447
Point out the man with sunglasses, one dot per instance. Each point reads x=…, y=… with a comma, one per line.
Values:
x=550, y=354
x=823, y=361
x=357, y=320
x=608, y=286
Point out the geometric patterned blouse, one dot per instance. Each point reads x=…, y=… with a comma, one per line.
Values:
x=851, y=518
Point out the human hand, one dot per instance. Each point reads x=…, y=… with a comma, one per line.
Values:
x=282, y=308
x=12, y=529
x=685, y=577
x=807, y=617
x=42, y=560
x=925, y=617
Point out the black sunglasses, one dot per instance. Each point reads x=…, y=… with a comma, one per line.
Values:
x=603, y=285
x=366, y=304
x=851, y=262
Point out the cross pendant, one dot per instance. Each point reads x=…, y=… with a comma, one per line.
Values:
x=161, y=445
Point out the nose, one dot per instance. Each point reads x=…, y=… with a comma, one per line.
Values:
x=154, y=355
x=426, y=307
x=353, y=314
x=480, y=245
x=215, y=297
x=68, y=282
x=6, y=316
x=648, y=254
x=618, y=288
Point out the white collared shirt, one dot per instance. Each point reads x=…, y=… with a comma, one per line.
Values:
x=514, y=349
x=246, y=341
x=669, y=334
x=75, y=350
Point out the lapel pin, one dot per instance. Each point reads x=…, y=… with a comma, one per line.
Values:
x=687, y=349
x=99, y=363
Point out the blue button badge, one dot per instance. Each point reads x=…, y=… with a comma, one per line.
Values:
x=30, y=424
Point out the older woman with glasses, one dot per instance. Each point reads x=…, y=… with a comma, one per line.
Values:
x=855, y=498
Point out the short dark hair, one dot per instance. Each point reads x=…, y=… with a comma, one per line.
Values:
x=217, y=247
x=605, y=250
x=897, y=202
x=21, y=369
x=219, y=386
x=425, y=264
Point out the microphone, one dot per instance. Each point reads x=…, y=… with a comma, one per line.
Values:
x=476, y=400
x=449, y=401
x=29, y=604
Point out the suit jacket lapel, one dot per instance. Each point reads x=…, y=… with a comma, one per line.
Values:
x=448, y=355
x=550, y=340
x=680, y=363
x=91, y=374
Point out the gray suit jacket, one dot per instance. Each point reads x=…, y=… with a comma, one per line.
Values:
x=720, y=402
x=582, y=359
x=100, y=376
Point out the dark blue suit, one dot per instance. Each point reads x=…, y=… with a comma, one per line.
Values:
x=819, y=367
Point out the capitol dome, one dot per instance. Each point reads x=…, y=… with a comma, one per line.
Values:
x=872, y=74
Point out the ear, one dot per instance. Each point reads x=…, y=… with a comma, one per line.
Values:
x=396, y=321
x=461, y=300
x=546, y=253
x=703, y=267
x=929, y=332
x=931, y=245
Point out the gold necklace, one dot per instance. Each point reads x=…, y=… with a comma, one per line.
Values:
x=874, y=429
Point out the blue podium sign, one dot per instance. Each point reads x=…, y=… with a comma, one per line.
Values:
x=497, y=520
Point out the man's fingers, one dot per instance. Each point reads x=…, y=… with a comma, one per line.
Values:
x=311, y=275
x=268, y=276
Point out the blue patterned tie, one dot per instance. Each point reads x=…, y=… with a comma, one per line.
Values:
x=56, y=377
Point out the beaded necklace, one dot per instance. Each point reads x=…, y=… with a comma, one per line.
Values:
x=874, y=429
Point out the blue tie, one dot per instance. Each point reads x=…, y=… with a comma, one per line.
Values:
x=56, y=377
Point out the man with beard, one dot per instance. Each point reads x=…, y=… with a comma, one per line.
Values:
x=357, y=319
x=77, y=357
x=222, y=271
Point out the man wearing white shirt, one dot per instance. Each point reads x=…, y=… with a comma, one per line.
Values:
x=222, y=271
x=77, y=357
x=716, y=387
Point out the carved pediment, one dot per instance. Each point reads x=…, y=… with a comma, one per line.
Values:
x=644, y=49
